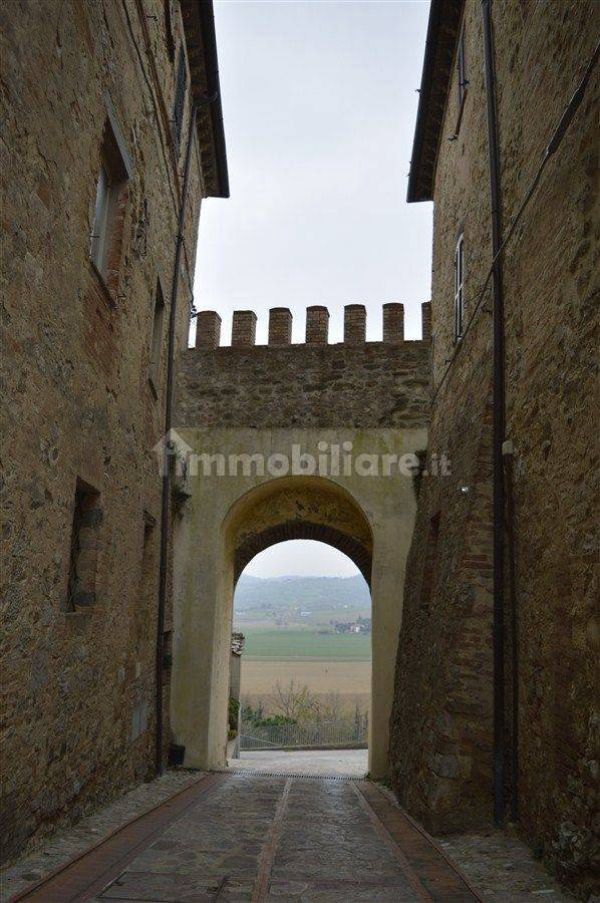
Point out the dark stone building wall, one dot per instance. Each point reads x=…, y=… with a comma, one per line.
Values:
x=552, y=322
x=441, y=749
x=78, y=681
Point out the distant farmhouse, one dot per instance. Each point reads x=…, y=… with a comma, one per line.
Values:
x=361, y=625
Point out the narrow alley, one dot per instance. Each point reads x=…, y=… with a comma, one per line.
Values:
x=315, y=279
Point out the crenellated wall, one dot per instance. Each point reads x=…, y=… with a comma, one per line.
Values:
x=314, y=384
x=243, y=332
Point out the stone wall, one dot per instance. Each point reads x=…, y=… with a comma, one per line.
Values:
x=441, y=732
x=352, y=383
x=551, y=319
x=552, y=288
x=78, y=680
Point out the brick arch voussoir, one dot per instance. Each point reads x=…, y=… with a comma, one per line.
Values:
x=294, y=529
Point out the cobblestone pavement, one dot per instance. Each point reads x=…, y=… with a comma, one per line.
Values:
x=251, y=837
x=499, y=865
x=247, y=837
x=47, y=855
x=502, y=868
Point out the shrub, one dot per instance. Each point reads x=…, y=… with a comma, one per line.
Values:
x=234, y=711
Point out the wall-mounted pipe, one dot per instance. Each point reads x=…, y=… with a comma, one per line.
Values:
x=498, y=412
x=514, y=630
x=166, y=470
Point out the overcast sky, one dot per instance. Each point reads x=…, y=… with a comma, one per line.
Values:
x=319, y=104
x=301, y=557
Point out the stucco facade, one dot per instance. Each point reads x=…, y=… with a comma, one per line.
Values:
x=88, y=87
x=442, y=746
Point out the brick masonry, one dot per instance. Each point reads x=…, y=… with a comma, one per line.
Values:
x=208, y=329
x=280, y=326
x=317, y=325
x=355, y=324
x=551, y=312
x=243, y=331
x=393, y=322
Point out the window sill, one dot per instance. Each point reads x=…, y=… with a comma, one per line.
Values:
x=108, y=295
x=79, y=614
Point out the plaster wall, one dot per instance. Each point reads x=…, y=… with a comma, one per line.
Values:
x=376, y=511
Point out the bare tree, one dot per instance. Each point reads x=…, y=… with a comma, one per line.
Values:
x=294, y=701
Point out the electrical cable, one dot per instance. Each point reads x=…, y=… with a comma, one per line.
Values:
x=551, y=148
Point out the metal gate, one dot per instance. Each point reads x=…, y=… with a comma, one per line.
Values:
x=308, y=735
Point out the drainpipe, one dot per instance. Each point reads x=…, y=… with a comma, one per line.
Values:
x=514, y=632
x=498, y=413
x=166, y=469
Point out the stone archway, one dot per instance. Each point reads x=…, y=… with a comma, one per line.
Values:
x=226, y=522
x=297, y=508
x=352, y=408
x=304, y=530
x=300, y=508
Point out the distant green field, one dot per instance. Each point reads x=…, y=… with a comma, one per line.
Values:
x=303, y=645
x=266, y=620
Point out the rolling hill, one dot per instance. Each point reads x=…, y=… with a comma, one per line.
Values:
x=280, y=594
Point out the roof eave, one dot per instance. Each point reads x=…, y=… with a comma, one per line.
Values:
x=442, y=34
x=201, y=42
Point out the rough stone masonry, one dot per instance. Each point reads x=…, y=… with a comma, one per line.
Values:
x=96, y=109
x=354, y=382
x=443, y=712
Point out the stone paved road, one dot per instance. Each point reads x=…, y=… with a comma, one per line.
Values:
x=344, y=762
x=274, y=839
x=257, y=838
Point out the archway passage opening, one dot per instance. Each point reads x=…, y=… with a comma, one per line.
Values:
x=362, y=520
x=301, y=688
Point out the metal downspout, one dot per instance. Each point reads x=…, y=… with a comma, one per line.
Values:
x=514, y=637
x=167, y=448
x=498, y=416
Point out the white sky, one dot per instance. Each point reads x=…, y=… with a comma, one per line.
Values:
x=319, y=105
x=301, y=558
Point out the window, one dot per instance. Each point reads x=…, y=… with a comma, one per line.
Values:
x=179, y=99
x=157, y=335
x=87, y=517
x=459, y=298
x=106, y=198
x=111, y=195
x=461, y=66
